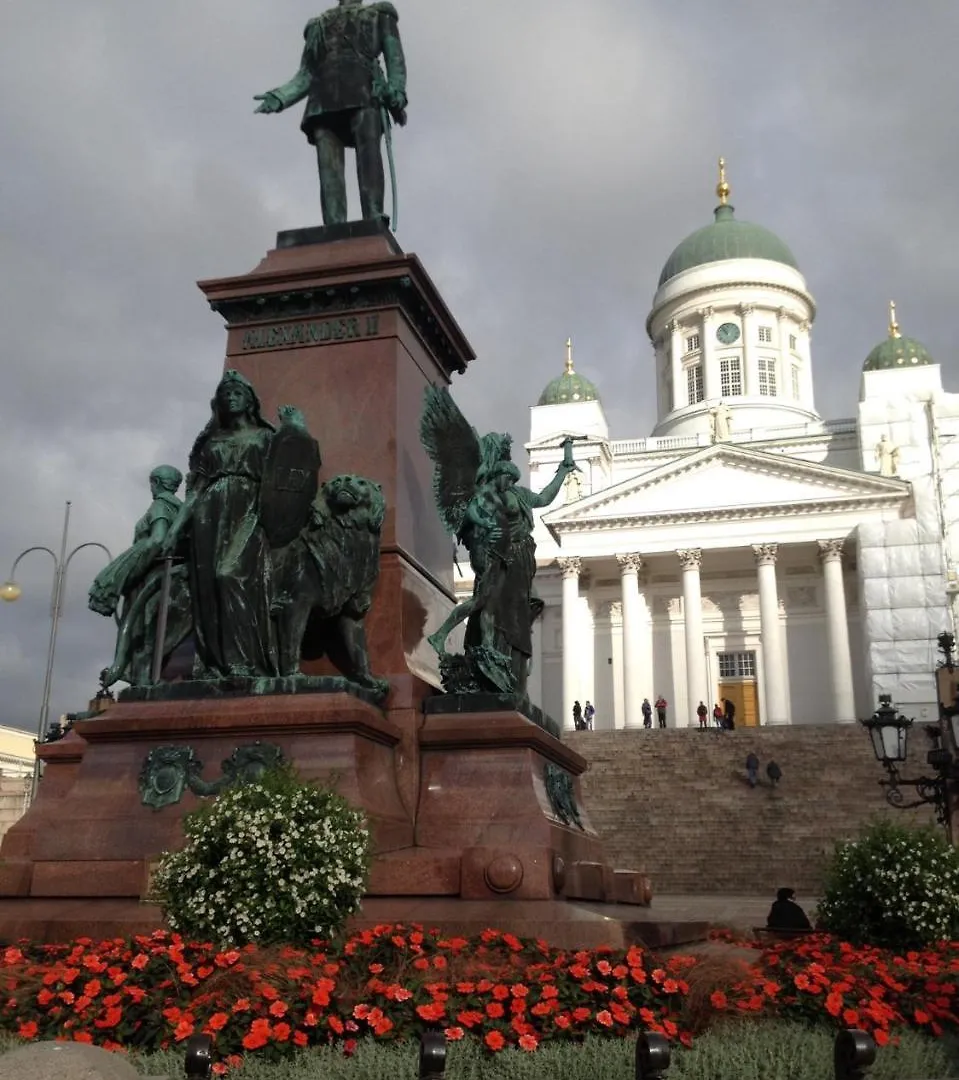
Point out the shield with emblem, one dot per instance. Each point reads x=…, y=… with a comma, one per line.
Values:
x=289, y=485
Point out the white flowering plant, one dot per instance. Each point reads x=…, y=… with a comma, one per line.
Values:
x=894, y=886
x=272, y=861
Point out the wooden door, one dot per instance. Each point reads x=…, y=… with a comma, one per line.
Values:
x=744, y=694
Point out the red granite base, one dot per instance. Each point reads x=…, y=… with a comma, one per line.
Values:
x=460, y=807
x=562, y=924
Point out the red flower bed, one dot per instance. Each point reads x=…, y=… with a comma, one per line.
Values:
x=817, y=977
x=395, y=981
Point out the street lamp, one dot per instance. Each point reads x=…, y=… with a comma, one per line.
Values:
x=10, y=591
x=889, y=732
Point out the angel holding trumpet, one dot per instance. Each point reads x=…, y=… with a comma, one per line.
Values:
x=483, y=505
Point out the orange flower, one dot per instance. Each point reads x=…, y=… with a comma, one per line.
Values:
x=605, y=1018
x=834, y=1004
x=528, y=1042
x=301, y=1039
x=718, y=999
x=921, y=1016
x=454, y=1034
x=282, y=1032
x=430, y=1012
x=494, y=1040
x=494, y=1010
x=218, y=1021
x=670, y=986
x=881, y=1037
x=28, y=1029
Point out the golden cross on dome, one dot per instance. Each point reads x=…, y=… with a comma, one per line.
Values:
x=722, y=188
x=569, y=356
x=893, y=325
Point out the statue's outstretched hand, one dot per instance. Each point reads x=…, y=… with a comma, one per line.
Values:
x=269, y=102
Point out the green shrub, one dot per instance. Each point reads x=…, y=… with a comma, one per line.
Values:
x=274, y=861
x=894, y=886
x=753, y=1051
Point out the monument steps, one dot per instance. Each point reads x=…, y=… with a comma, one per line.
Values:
x=676, y=802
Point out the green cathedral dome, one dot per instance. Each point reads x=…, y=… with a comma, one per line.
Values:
x=897, y=351
x=568, y=387
x=726, y=238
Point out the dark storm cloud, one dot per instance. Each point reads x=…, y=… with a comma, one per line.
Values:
x=556, y=153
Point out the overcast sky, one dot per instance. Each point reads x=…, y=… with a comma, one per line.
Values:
x=556, y=152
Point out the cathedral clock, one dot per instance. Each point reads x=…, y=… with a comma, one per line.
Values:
x=728, y=333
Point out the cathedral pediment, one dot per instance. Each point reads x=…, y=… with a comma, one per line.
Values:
x=725, y=481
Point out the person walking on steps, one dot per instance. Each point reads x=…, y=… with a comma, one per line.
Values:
x=588, y=713
x=578, y=717
x=702, y=712
x=647, y=713
x=661, y=710
x=718, y=715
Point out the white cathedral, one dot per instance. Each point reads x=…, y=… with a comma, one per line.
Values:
x=747, y=549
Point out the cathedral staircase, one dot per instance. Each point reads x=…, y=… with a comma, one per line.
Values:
x=676, y=803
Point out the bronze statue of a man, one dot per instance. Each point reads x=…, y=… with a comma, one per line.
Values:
x=350, y=100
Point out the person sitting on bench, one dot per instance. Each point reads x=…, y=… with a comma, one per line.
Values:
x=786, y=914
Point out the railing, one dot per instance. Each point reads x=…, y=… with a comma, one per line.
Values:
x=854, y=1052
x=627, y=447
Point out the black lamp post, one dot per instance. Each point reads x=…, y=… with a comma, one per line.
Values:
x=889, y=732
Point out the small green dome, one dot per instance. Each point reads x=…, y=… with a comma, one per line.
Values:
x=897, y=351
x=726, y=238
x=568, y=387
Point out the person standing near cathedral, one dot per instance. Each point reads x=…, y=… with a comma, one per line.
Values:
x=729, y=714
x=578, y=724
x=588, y=713
x=702, y=712
x=647, y=713
x=661, y=704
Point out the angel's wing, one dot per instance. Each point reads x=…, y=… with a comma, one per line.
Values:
x=454, y=447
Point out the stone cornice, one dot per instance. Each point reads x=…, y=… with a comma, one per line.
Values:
x=726, y=286
x=259, y=299
x=726, y=513
x=846, y=484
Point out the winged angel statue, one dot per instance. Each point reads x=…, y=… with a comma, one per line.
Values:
x=482, y=504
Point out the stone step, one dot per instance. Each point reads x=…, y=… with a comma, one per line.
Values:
x=676, y=802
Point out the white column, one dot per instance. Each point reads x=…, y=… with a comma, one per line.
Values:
x=805, y=351
x=676, y=364
x=618, y=719
x=708, y=344
x=774, y=673
x=570, y=568
x=837, y=632
x=629, y=567
x=696, y=688
x=750, y=384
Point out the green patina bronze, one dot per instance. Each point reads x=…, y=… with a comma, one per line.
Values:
x=561, y=793
x=169, y=771
x=267, y=567
x=726, y=238
x=351, y=101
x=483, y=505
x=130, y=588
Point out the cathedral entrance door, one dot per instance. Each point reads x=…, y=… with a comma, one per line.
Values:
x=744, y=694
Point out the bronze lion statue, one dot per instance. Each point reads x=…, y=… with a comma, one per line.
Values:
x=324, y=582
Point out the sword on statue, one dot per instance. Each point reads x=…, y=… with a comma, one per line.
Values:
x=567, y=445
x=162, y=616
